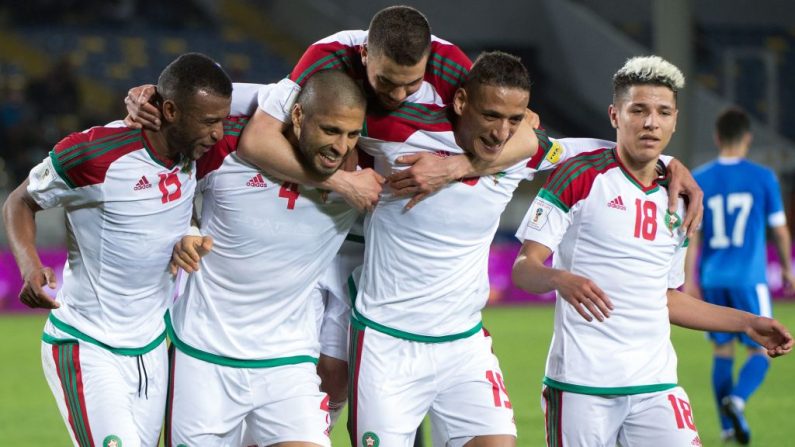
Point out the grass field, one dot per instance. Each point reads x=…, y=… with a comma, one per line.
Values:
x=28, y=416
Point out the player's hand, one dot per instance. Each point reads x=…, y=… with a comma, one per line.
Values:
x=771, y=334
x=683, y=184
x=689, y=288
x=33, y=294
x=141, y=113
x=584, y=295
x=427, y=174
x=188, y=252
x=361, y=189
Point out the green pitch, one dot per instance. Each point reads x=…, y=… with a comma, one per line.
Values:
x=28, y=415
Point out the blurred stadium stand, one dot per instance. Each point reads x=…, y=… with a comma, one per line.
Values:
x=66, y=64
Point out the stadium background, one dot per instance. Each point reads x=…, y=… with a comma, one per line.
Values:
x=66, y=65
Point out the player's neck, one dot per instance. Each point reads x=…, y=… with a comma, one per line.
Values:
x=159, y=145
x=644, y=172
x=733, y=151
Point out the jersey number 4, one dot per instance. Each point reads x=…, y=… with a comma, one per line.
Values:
x=739, y=203
x=290, y=192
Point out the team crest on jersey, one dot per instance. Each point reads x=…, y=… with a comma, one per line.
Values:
x=370, y=439
x=672, y=221
x=554, y=153
x=111, y=441
x=540, y=215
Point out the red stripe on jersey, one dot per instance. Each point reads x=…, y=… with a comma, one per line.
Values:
x=572, y=180
x=213, y=159
x=455, y=68
x=398, y=126
x=321, y=56
x=85, y=157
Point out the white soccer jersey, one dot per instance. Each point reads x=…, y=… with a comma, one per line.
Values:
x=125, y=209
x=425, y=274
x=447, y=68
x=247, y=305
x=604, y=225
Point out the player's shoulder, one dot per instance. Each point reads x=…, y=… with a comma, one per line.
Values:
x=597, y=160
x=573, y=179
x=83, y=158
x=352, y=37
x=214, y=158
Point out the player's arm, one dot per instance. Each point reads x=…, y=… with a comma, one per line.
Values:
x=19, y=219
x=428, y=172
x=263, y=144
x=692, y=313
x=690, y=287
x=529, y=273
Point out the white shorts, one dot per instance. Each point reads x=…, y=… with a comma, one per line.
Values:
x=662, y=418
x=332, y=300
x=105, y=397
x=208, y=404
x=396, y=382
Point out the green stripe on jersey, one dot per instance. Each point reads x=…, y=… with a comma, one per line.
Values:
x=74, y=332
x=74, y=151
x=84, y=156
x=443, y=60
x=60, y=171
x=362, y=322
x=577, y=166
x=331, y=57
x=553, y=199
x=230, y=361
x=459, y=77
x=605, y=391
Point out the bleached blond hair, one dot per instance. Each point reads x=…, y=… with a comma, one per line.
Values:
x=647, y=70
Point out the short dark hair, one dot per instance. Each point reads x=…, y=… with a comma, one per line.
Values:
x=400, y=33
x=647, y=70
x=192, y=72
x=732, y=124
x=330, y=89
x=498, y=69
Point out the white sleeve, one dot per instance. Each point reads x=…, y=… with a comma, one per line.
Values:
x=564, y=148
x=244, y=98
x=544, y=223
x=278, y=101
x=47, y=187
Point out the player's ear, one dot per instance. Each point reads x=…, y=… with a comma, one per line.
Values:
x=459, y=101
x=612, y=112
x=297, y=117
x=170, y=111
x=364, y=55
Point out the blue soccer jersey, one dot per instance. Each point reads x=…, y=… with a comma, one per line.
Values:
x=741, y=198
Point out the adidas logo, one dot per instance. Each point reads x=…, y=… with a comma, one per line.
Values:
x=256, y=182
x=617, y=203
x=143, y=183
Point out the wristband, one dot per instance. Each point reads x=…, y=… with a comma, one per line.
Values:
x=194, y=231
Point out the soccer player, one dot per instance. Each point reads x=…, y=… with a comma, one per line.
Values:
x=245, y=329
x=128, y=197
x=619, y=254
x=742, y=198
x=417, y=341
